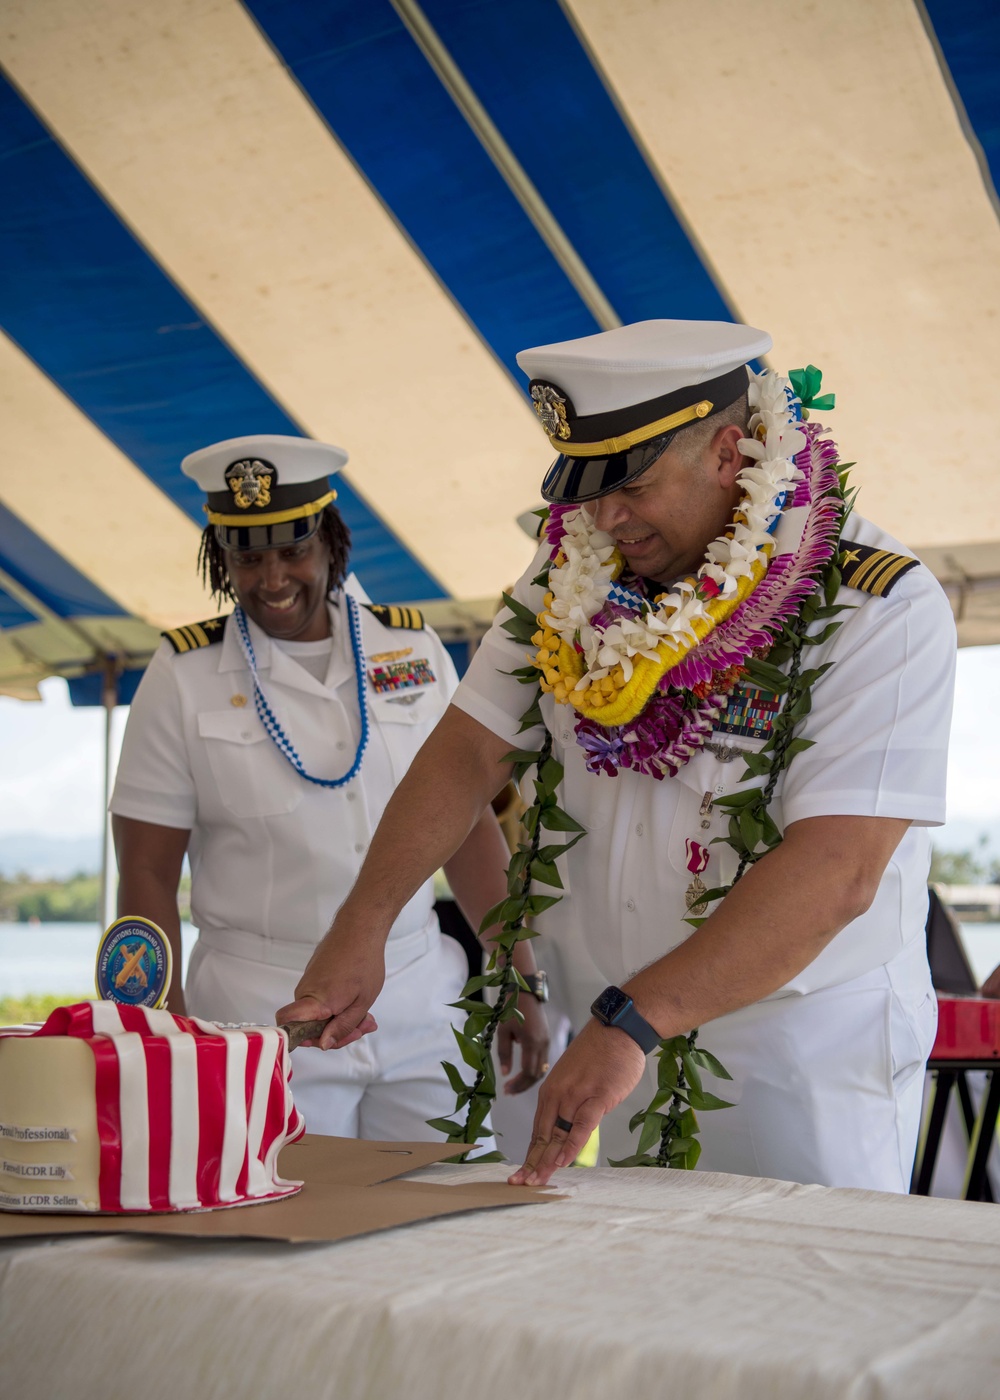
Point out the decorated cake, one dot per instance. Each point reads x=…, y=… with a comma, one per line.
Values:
x=114, y=1108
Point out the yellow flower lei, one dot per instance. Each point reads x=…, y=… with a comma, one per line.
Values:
x=614, y=700
x=607, y=695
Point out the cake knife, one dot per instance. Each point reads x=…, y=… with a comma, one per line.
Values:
x=298, y=1031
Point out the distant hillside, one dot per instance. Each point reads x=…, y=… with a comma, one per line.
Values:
x=48, y=857
x=74, y=901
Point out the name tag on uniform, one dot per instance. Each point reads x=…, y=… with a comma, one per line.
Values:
x=750, y=712
x=399, y=676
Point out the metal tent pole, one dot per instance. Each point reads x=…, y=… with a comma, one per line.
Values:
x=109, y=699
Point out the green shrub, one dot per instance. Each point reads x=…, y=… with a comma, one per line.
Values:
x=15, y=1010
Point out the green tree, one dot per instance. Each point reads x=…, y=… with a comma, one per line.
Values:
x=968, y=867
x=51, y=901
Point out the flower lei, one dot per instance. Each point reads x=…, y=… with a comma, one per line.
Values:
x=648, y=679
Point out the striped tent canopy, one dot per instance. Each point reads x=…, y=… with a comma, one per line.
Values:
x=343, y=219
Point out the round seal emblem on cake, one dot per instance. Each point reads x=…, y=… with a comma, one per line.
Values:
x=133, y=964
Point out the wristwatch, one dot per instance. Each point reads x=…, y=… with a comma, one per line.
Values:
x=538, y=984
x=616, y=1008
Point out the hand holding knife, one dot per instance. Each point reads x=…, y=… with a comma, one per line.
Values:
x=300, y=1031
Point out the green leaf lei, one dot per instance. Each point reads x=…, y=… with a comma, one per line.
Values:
x=531, y=862
x=669, y=1124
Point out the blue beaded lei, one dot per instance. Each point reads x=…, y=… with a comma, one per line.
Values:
x=268, y=718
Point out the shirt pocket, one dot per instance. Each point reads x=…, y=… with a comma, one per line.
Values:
x=405, y=721
x=253, y=778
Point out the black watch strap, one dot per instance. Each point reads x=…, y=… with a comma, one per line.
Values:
x=538, y=984
x=616, y=1008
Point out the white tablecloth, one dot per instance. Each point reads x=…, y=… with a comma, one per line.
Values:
x=643, y=1284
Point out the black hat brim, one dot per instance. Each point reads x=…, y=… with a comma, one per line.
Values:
x=253, y=536
x=573, y=479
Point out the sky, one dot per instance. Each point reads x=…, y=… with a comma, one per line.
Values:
x=52, y=764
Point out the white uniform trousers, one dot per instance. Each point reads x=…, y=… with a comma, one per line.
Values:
x=826, y=1087
x=385, y=1086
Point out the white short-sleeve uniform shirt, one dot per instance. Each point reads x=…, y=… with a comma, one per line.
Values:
x=273, y=856
x=880, y=723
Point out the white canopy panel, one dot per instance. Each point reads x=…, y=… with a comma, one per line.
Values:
x=340, y=220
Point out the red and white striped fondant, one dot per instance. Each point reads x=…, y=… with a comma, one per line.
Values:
x=190, y=1114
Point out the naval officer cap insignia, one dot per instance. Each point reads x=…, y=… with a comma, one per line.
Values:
x=611, y=403
x=265, y=491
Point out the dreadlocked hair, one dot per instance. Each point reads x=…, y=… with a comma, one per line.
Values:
x=332, y=532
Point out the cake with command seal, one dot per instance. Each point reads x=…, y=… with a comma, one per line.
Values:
x=114, y=1108
x=134, y=964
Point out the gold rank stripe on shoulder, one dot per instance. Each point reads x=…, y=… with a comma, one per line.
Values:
x=397, y=615
x=196, y=634
x=873, y=570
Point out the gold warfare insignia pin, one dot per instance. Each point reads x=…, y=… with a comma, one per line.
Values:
x=550, y=406
x=391, y=655
x=250, y=481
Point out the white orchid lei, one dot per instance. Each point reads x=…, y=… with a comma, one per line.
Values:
x=648, y=678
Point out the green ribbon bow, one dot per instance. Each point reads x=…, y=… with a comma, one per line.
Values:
x=806, y=383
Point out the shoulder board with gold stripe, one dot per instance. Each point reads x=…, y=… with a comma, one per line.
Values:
x=197, y=634
x=397, y=615
x=873, y=570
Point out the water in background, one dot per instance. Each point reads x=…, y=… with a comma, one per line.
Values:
x=60, y=958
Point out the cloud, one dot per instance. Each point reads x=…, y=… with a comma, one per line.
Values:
x=52, y=764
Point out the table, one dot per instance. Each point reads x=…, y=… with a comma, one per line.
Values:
x=641, y=1283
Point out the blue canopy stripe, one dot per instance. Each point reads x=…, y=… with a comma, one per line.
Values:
x=12, y=614
x=454, y=180
x=89, y=689
x=46, y=576
x=369, y=81
x=541, y=88
x=968, y=39
x=101, y=318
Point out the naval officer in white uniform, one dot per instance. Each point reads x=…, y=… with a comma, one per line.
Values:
x=266, y=744
x=809, y=980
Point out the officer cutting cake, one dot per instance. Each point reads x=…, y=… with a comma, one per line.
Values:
x=266, y=744
x=748, y=686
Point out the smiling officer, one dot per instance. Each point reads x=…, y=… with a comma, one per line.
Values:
x=693, y=515
x=266, y=744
